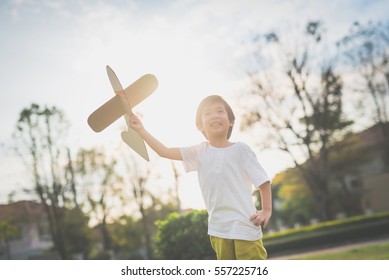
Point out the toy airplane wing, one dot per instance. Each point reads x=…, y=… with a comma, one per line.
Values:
x=121, y=105
x=113, y=109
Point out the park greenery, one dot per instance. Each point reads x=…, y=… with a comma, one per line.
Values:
x=301, y=84
x=372, y=252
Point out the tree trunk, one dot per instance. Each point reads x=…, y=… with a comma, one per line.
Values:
x=320, y=191
x=149, y=253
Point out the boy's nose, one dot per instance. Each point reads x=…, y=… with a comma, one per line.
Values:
x=214, y=115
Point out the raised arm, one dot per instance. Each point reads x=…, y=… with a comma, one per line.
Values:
x=158, y=147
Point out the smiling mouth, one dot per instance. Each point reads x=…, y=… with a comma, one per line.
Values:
x=216, y=124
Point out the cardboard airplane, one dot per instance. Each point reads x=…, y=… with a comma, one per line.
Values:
x=120, y=105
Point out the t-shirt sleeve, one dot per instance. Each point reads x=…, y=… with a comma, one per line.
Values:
x=190, y=157
x=254, y=169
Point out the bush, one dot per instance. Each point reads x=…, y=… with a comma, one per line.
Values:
x=327, y=234
x=184, y=237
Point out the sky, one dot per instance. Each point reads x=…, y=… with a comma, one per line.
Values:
x=54, y=53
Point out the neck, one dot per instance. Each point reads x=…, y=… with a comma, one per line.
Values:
x=219, y=143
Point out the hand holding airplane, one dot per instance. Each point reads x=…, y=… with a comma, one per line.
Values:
x=120, y=105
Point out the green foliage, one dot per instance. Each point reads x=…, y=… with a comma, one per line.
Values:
x=184, y=237
x=78, y=234
x=373, y=252
x=8, y=230
x=330, y=232
x=127, y=238
x=297, y=205
x=345, y=158
x=324, y=226
x=128, y=234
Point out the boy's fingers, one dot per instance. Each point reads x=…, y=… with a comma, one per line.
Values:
x=256, y=219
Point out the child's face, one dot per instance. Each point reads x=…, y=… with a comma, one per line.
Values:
x=215, y=122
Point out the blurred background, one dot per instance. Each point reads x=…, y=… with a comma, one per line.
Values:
x=307, y=80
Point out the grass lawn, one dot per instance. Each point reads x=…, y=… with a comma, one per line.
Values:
x=372, y=252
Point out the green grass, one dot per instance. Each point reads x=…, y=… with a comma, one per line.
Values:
x=325, y=226
x=372, y=252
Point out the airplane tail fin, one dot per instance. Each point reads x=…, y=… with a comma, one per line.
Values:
x=135, y=141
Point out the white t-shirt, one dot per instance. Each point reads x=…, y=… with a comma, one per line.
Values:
x=226, y=178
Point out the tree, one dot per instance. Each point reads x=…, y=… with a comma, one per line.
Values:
x=346, y=158
x=40, y=134
x=102, y=186
x=7, y=232
x=184, y=237
x=128, y=233
x=366, y=49
x=303, y=110
x=176, y=176
x=78, y=234
x=297, y=204
x=142, y=197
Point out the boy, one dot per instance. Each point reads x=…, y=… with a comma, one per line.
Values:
x=226, y=173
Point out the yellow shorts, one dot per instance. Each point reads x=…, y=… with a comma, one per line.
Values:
x=231, y=249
